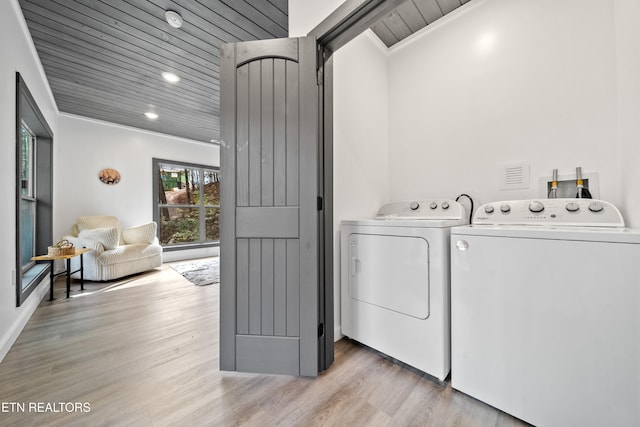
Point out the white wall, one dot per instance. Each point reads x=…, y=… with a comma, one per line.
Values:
x=86, y=146
x=305, y=15
x=361, y=117
x=361, y=135
x=628, y=63
x=18, y=55
x=361, y=128
x=500, y=81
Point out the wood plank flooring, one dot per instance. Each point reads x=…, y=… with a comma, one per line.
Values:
x=144, y=352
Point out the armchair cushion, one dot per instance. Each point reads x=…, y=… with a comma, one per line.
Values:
x=140, y=234
x=97, y=221
x=107, y=236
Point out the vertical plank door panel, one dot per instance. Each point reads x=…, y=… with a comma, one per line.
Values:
x=280, y=287
x=292, y=135
x=242, y=142
x=293, y=287
x=267, y=132
x=267, y=322
x=255, y=286
x=279, y=132
x=242, y=287
x=255, y=135
x=273, y=296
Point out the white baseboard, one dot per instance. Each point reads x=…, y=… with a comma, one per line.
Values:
x=336, y=333
x=26, y=310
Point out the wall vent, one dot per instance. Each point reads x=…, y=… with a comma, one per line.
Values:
x=515, y=176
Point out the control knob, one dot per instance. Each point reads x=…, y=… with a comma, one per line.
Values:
x=414, y=205
x=536, y=207
x=596, y=207
x=488, y=209
x=572, y=207
x=505, y=208
x=445, y=205
x=433, y=205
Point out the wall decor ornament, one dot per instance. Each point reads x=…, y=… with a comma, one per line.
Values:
x=109, y=176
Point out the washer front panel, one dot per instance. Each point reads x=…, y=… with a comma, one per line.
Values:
x=548, y=329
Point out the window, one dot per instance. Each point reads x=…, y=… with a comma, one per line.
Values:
x=27, y=197
x=34, y=191
x=187, y=204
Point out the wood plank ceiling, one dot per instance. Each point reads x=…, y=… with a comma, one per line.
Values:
x=104, y=58
x=412, y=16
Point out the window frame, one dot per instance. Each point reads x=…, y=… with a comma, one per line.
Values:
x=28, y=112
x=202, y=207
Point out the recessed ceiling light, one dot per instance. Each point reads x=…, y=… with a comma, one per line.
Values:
x=170, y=77
x=151, y=115
x=173, y=18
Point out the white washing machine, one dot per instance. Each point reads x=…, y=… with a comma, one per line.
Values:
x=545, y=320
x=395, y=282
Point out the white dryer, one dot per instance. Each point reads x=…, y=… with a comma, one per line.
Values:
x=545, y=320
x=395, y=282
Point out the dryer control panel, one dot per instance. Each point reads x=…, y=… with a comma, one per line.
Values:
x=422, y=209
x=561, y=212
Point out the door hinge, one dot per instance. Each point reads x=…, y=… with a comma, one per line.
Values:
x=319, y=76
x=319, y=203
x=320, y=330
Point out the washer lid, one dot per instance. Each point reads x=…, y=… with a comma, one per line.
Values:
x=434, y=209
x=546, y=232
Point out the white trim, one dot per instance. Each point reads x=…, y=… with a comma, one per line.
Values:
x=26, y=311
x=131, y=128
x=376, y=41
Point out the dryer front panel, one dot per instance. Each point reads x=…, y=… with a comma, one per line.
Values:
x=391, y=272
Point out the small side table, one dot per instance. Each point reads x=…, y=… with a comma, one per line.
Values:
x=68, y=272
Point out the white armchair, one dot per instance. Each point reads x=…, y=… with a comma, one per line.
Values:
x=116, y=252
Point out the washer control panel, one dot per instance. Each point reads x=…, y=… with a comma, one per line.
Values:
x=422, y=209
x=564, y=212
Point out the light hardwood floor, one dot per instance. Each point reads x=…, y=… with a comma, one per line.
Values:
x=144, y=352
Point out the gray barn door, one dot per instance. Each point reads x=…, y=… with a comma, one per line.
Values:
x=270, y=219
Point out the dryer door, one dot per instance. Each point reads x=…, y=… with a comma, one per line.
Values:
x=391, y=272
